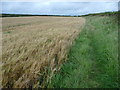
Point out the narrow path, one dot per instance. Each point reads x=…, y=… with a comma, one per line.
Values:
x=93, y=59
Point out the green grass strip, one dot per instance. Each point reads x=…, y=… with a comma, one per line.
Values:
x=93, y=59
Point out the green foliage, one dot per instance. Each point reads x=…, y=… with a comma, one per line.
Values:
x=93, y=59
x=96, y=14
x=104, y=14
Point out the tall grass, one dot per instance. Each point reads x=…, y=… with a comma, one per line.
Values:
x=93, y=59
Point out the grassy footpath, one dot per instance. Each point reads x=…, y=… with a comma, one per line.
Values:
x=93, y=59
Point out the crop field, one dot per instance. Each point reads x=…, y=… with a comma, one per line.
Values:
x=33, y=48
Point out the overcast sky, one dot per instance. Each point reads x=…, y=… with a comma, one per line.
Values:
x=58, y=8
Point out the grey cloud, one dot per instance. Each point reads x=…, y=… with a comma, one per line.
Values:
x=58, y=8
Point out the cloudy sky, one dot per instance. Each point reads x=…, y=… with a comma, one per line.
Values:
x=58, y=8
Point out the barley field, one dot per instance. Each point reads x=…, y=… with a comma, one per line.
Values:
x=33, y=48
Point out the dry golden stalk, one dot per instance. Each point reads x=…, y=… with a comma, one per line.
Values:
x=34, y=47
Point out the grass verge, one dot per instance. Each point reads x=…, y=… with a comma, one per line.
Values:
x=93, y=59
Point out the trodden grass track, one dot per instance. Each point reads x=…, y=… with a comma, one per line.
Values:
x=93, y=59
